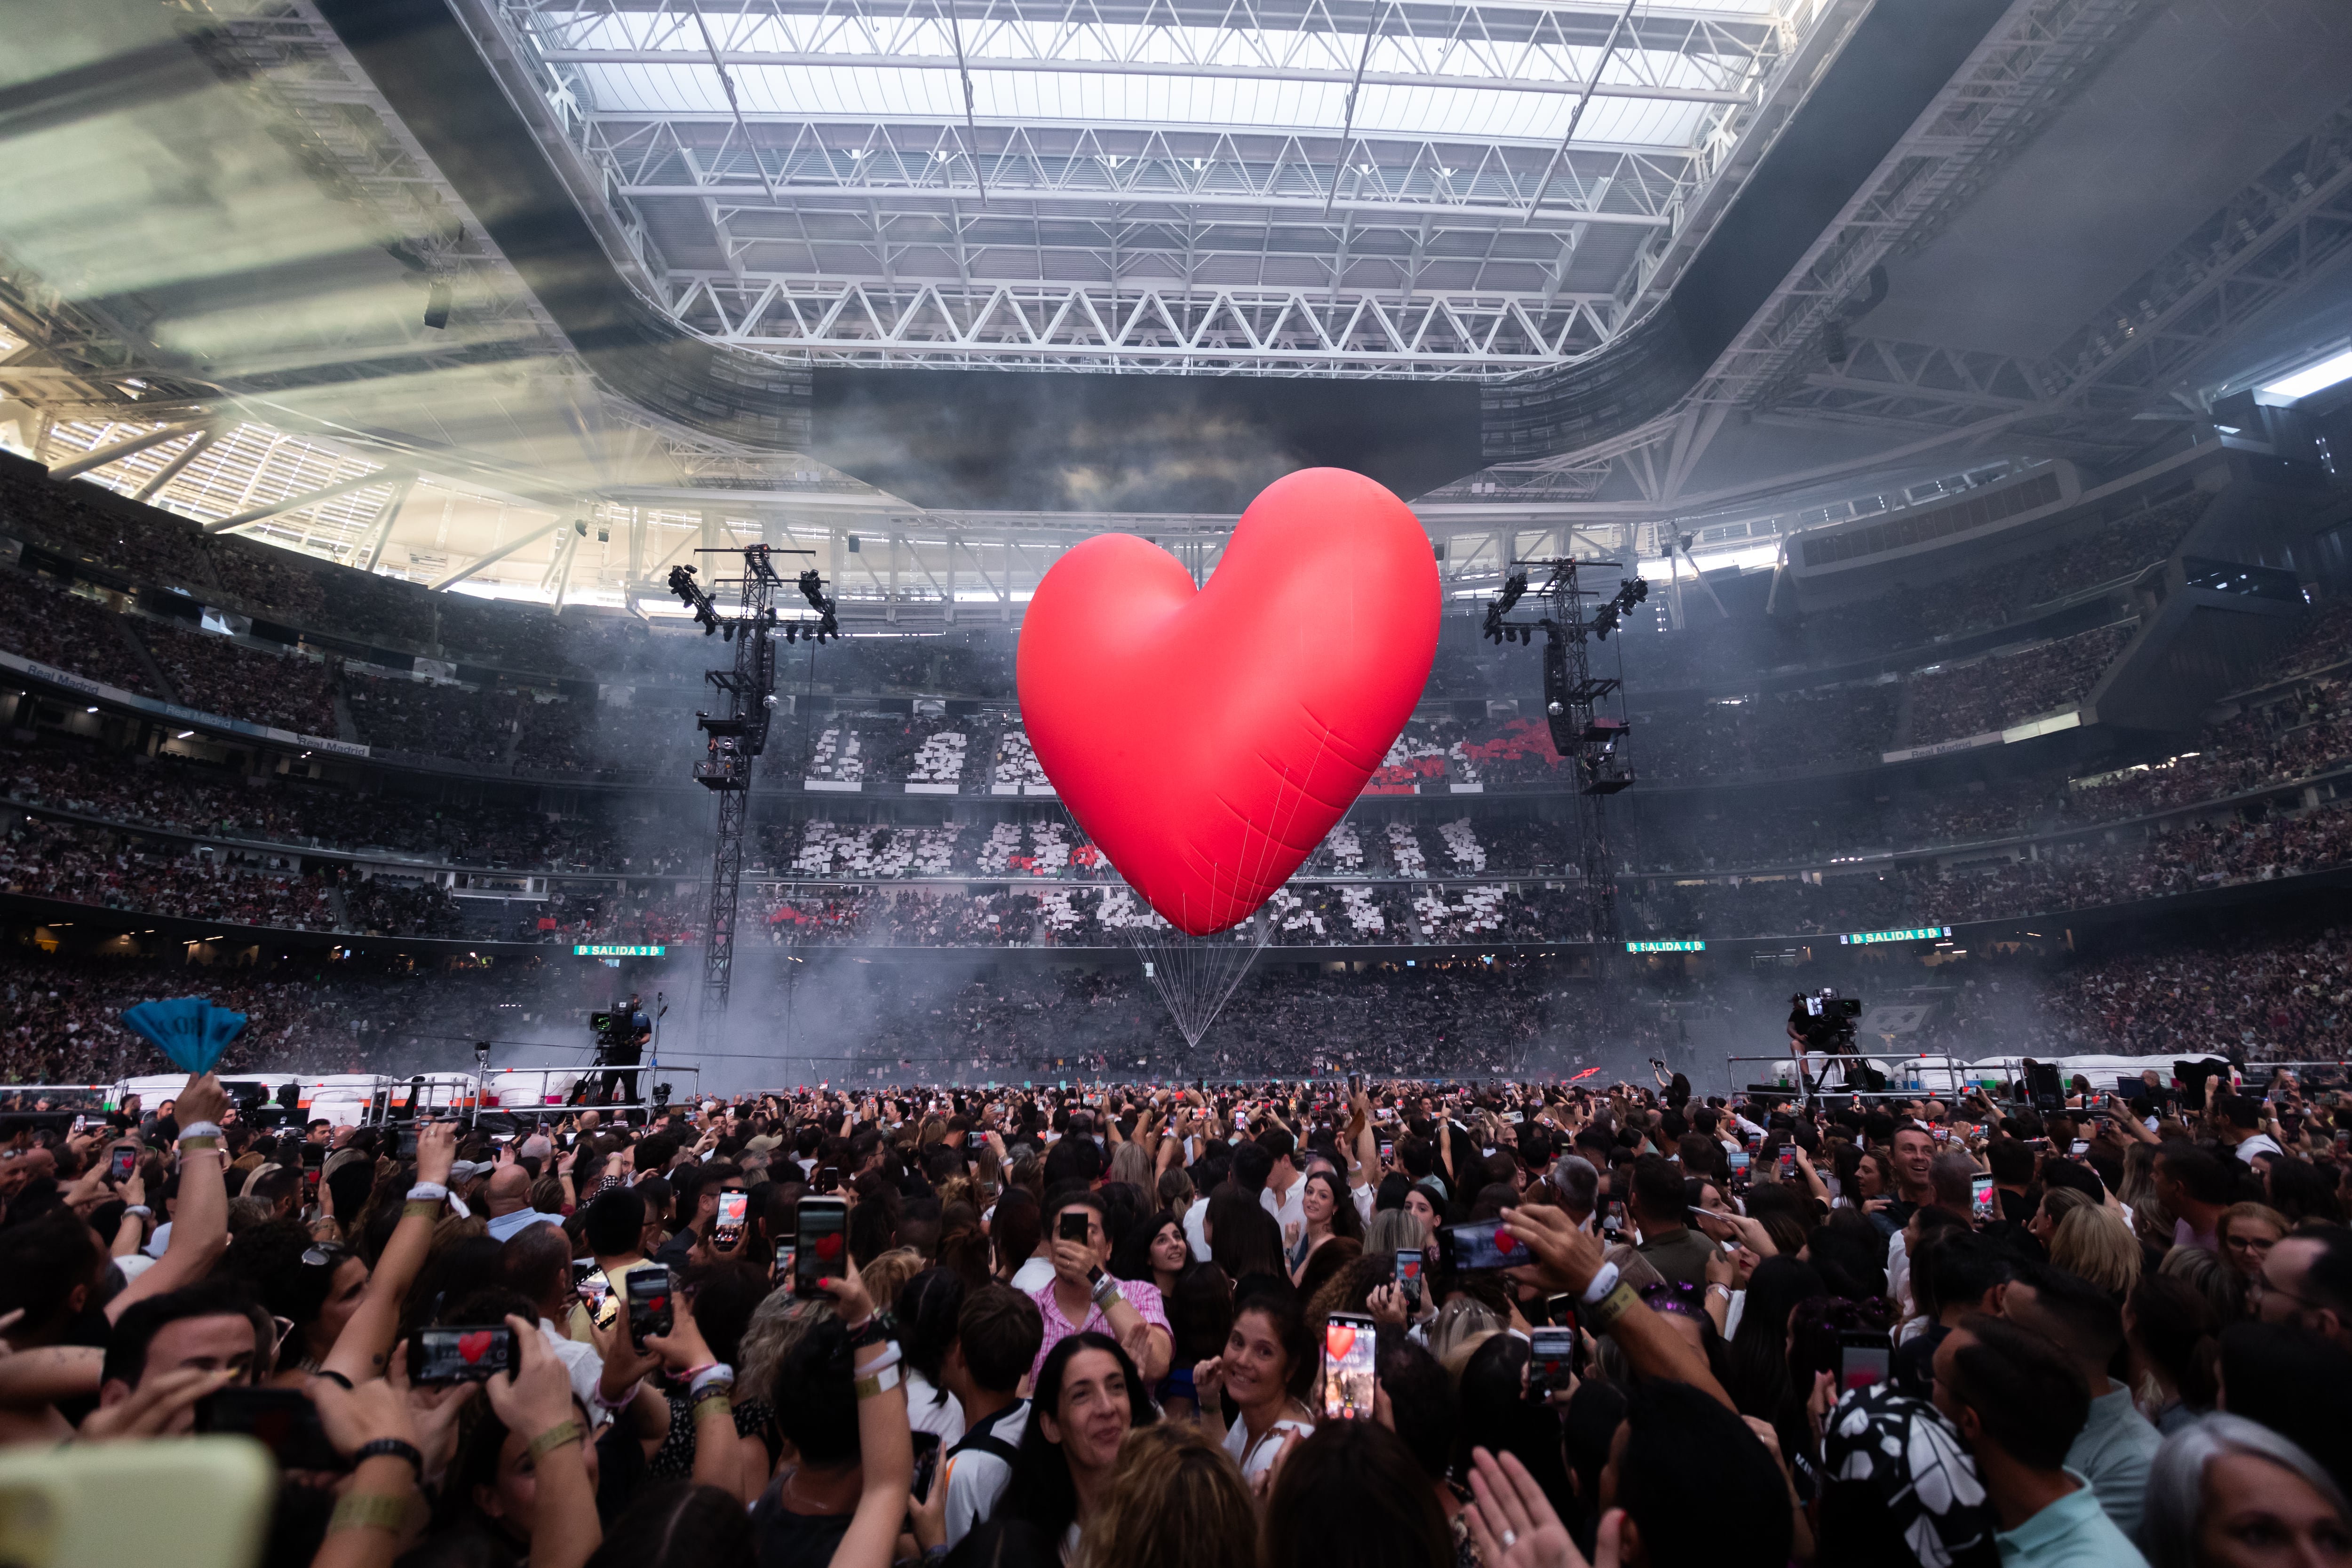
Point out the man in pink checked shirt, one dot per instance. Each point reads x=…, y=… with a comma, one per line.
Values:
x=1083, y=1296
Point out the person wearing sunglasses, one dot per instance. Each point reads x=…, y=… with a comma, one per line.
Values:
x=314, y=1285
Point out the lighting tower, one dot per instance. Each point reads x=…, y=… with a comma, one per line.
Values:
x=736, y=738
x=1591, y=742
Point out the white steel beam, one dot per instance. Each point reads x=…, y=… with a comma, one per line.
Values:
x=479, y=562
x=116, y=451
x=247, y=518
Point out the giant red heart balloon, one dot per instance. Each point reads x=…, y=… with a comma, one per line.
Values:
x=1208, y=739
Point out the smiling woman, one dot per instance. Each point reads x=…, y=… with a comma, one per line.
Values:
x=1088, y=1398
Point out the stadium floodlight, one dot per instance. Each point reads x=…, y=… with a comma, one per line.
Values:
x=2313, y=378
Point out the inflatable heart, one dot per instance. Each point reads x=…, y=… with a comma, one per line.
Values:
x=474, y=1346
x=1338, y=1340
x=827, y=1247
x=1504, y=1242
x=1208, y=739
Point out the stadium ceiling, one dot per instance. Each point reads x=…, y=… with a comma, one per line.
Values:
x=1354, y=186
x=221, y=225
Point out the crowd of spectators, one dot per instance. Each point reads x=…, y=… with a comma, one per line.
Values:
x=2284, y=996
x=51, y=624
x=433, y=720
x=380, y=907
x=2089, y=872
x=215, y=674
x=1952, y=701
x=60, y=1012
x=158, y=877
x=167, y=791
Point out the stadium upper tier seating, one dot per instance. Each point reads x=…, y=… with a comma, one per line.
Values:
x=509, y=709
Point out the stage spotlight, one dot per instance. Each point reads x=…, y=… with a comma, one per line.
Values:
x=1513, y=586
x=437, y=306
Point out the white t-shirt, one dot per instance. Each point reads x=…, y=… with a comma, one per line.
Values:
x=1256, y=1458
x=1195, y=1236
x=2257, y=1143
x=928, y=1410
x=581, y=1362
x=976, y=1478
x=1289, y=1210
x=1033, y=1276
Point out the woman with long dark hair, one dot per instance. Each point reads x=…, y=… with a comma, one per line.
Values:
x=1330, y=1213
x=1258, y=1383
x=1088, y=1398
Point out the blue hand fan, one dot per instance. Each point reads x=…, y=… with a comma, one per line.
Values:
x=190, y=1030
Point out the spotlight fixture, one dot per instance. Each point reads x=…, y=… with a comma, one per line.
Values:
x=690, y=594
x=437, y=306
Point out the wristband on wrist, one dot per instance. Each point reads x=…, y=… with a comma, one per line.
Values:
x=394, y=1448
x=141, y=1210
x=555, y=1438
x=1604, y=1281
x=713, y=1404
x=435, y=1190
x=880, y=1381
x=1613, y=1306
x=369, y=1510
x=201, y=1130
x=717, y=1374
x=428, y=1207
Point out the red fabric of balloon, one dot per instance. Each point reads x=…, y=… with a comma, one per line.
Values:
x=1207, y=740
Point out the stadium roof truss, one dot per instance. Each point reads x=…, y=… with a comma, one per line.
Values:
x=2275, y=235
x=1356, y=187
x=2013, y=83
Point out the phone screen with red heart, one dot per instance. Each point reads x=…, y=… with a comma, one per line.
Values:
x=1484, y=1246
x=649, y=1305
x=462, y=1353
x=823, y=1236
x=1347, y=1380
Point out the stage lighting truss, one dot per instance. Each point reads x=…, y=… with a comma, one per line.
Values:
x=1591, y=742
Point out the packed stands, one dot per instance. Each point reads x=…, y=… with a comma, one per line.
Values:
x=1950, y=702
x=220, y=675
x=69, y=631
x=433, y=720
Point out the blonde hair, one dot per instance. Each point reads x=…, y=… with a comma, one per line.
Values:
x=2237, y=1212
x=1174, y=1501
x=2094, y=1243
x=1130, y=1163
x=886, y=1273
x=1461, y=1319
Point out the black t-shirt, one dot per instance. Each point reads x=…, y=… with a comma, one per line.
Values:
x=789, y=1540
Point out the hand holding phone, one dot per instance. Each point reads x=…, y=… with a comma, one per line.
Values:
x=1408, y=1277
x=821, y=1245
x=1551, y=1359
x=1348, y=1380
x=727, y=1224
x=462, y=1354
x=650, y=1311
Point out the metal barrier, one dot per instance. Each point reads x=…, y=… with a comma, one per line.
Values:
x=1889, y=1063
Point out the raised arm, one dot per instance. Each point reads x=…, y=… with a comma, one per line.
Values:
x=885, y=1446
x=361, y=1349
x=1570, y=1260
x=200, y=1227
